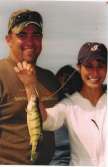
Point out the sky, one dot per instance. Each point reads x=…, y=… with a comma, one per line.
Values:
x=67, y=26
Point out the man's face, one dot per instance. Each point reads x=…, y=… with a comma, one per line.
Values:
x=25, y=45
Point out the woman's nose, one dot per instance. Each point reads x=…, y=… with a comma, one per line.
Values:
x=95, y=71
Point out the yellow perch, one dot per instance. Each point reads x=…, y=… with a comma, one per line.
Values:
x=34, y=123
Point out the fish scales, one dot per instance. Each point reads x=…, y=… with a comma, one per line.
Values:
x=34, y=123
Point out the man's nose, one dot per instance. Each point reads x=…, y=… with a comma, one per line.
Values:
x=29, y=39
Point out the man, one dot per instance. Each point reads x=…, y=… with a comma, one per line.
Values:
x=24, y=38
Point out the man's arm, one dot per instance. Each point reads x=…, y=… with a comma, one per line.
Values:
x=27, y=75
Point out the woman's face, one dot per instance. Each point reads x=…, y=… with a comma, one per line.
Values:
x=93, y=73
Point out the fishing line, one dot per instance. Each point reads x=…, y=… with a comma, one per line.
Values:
x=59, y=89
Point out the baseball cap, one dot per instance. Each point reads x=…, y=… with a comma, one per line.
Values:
x=21, y=18
x=92, y=50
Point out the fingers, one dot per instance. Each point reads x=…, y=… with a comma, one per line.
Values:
x=22, y=66
x=16, y=69
x=27, y=66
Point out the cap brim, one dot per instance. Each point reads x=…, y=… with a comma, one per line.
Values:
x=17, y=29
x=93, y=57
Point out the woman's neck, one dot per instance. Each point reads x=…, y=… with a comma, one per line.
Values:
x=92, y=95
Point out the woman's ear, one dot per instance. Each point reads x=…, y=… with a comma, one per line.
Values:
x=78, y=67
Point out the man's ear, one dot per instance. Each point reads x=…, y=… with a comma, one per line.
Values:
x=8, y=39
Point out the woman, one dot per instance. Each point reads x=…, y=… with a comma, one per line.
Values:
x=70, y=81
x=83, y=112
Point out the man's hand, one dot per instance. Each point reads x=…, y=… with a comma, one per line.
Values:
x=27, y=75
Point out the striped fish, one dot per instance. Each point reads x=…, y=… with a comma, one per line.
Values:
x=34, y=123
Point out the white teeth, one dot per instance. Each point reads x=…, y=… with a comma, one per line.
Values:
x=26, y=47
x=92, y=79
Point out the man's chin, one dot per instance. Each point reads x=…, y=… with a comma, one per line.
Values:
x=31, y=61
x=30, y=58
